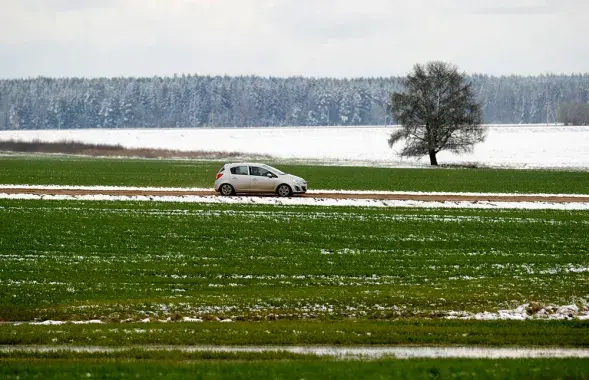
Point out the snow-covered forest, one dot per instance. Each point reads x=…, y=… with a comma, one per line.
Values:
x=203, y=101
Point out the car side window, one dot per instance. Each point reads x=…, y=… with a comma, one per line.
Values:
x=239, y=170
x=255, y=171
x=264, y=173
x=259, y=172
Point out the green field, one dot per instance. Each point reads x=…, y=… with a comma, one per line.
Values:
x=44, y=170
x=180, y=366
x=255, y=265
x=287, y=275
x=343, y=332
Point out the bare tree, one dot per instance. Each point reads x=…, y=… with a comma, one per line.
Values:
x=438, y=111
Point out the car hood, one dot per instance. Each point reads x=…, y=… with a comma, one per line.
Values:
x=293, y=177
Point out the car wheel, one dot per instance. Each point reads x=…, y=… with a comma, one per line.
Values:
x=284, y=191
x=227, y=190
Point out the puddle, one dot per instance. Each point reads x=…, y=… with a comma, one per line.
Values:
x=365, y=353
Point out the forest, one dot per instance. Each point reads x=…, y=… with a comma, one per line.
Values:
x=193, y=101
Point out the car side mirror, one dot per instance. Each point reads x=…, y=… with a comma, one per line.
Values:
x=269, y=175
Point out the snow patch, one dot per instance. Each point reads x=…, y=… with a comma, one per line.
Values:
x=49, y=323
x=312, y=201
x=527, y=311
x=58, y=323
x=190, y=319
x=90, y=322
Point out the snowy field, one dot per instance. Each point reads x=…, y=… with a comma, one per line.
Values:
x=508, y=146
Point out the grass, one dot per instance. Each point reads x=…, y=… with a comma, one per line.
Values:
x=255, y=265
x=358, y=332
x=191, y=173
x=295, y=369
x=156, y=355
x=284, y=275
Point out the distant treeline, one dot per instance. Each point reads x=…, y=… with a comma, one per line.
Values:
x=247, y=101
x=574, y=113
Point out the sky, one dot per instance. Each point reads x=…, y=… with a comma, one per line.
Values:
x=311, y=38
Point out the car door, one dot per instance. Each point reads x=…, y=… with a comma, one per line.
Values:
x=261, y=182
x=240, y=179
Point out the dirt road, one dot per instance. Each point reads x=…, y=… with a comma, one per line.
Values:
x=403, y=197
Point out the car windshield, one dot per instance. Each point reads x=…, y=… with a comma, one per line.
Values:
x=279, y=172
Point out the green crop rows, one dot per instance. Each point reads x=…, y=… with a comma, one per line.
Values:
x=128, y=261
x=279, y=275
x=348, y=332
x=178, y=366
x=187, y=173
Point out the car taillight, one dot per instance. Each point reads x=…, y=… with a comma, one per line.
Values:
x=219, y=175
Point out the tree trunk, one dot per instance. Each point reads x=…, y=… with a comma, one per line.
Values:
x=432, y=158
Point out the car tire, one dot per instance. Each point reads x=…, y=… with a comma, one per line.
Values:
x=226, y=190
x=284, y=191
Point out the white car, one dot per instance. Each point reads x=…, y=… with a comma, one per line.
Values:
x=257, y=178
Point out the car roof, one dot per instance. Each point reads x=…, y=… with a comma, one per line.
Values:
x=245, y=164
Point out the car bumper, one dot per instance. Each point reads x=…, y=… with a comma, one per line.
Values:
x=299, y=189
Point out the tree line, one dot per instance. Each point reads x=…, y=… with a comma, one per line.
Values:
x=572, y=113
x=190, y=101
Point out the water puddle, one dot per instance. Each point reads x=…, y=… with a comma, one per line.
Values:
x=366, y=353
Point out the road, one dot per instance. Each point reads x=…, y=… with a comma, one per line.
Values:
x=327, y=195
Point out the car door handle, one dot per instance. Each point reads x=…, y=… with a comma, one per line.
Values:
x=254, y=179
x=233, y=177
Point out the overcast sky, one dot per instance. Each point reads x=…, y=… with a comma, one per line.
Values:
x=335, y=38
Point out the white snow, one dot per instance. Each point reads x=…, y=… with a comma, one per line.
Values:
x=190, y=319
x=511, y=146
x=49, y=323
x=521, y=313
x=59, y=323
x=90, y=322
x=312, y=201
